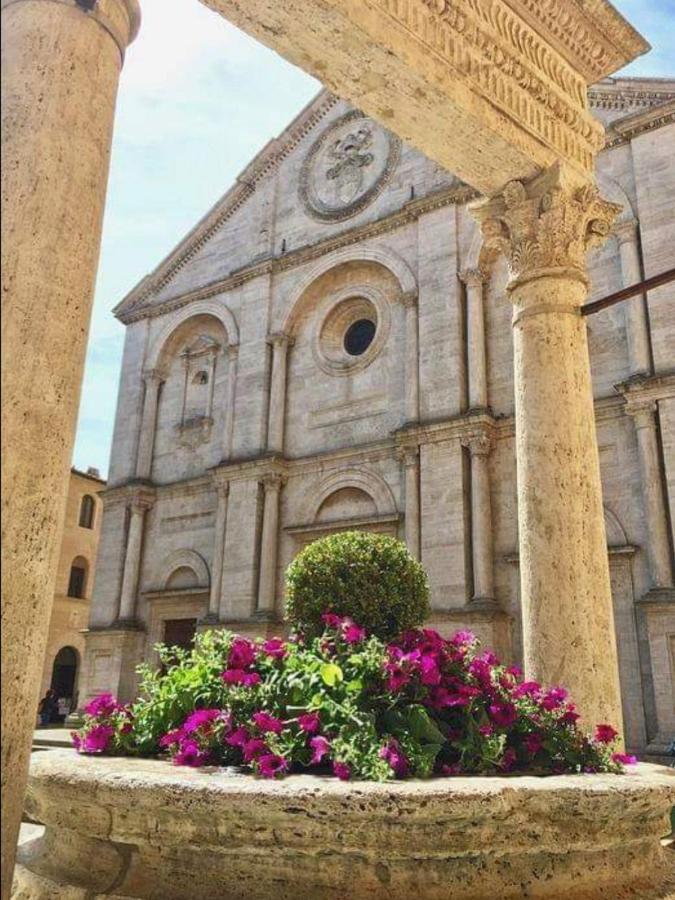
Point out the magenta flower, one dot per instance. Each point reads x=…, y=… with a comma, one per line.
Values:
x=242, y=653
x=342, y=771
x=320, y=747
x=309, y=722
x=102, y=706
x=508, y=759
x=527, y=689
x=76, y=739
x=97, y=739
x=200, y=718
x=332, y=620
x=533, y=743
x=429, y=671
x=239, y=676
x=190, y=754
x=486, y=730
x=275, y=648
x=270, y=765
x=397, y=678
x=265, y=722
x=462, y=638
x=503, y=714
x=393, y=754
x=171, y=738
x=352, y=633
x=238, y=737
x=569, y=715
x=605, y=734
x=554, y=698
x=626, y=759
x=253, y=749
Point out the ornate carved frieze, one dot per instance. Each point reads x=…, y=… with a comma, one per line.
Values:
x=545, y=226
x=346, y=168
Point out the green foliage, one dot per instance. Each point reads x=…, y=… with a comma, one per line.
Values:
x=371, y=578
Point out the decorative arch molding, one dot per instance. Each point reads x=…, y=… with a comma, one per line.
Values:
x=214, y=308
x=614, y=530
x=361, y=479
x=611, y=190
x=388, y=259
x=188, y=559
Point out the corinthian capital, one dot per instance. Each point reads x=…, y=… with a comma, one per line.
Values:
x=546, y=226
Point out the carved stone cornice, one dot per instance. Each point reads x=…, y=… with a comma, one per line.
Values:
x=546, y=227
x=641, y=394
x=624, y=130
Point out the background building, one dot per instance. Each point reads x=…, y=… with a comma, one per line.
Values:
x=324, y=352
x=74, y=587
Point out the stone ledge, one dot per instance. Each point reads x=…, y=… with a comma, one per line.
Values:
x=145, y=830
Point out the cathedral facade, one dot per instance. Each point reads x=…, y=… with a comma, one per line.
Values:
x=324, y=351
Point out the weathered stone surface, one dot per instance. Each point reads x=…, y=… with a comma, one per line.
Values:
x=158, y=833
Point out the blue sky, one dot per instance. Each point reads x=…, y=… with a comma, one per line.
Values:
x=197, y=100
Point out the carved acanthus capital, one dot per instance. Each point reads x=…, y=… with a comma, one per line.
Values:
x=409, y=456
x=546, y=226
x=473, y=278
x=154, y=377
x=272, y=482
x=642, y=410
x=280, y=340
x=479, y=444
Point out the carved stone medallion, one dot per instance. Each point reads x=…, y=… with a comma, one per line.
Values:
x=347, y=167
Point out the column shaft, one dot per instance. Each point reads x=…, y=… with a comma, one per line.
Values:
x=658, y=546
x=268, y=547
x=412, y=379
x=481, y=521
x=132, y=564
x=476, y=340
x=60, y=69
x=637, y=334
x=277, y=406
x=410, y=459
x=146, y=441
x=232, y=357
x=218, y=551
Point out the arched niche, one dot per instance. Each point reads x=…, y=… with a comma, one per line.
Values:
x=184, y=569
x=209, y=309
x=367, y=488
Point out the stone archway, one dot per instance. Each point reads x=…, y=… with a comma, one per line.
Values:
x=65, y=671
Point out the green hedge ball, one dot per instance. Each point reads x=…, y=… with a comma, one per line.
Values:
x=370, y=577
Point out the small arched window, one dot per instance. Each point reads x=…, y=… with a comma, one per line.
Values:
x=77, y=582
x=201, y=378
x=87, y=507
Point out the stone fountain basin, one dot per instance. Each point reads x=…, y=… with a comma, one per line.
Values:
x=129, y=828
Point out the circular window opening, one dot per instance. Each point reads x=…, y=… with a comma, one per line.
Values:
x=359, y=336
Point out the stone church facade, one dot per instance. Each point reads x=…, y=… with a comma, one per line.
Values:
x=323, y=352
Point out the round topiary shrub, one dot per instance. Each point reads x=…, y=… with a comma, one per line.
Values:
x=370, y=577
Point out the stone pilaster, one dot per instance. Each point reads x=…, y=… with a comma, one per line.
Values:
x=60, y=70
x=412, y=369
x=138, y=507
x=269, y=544
x=643, y=413
x=410, y=458
x=637, y=333
x=146, y=441
x=228, y=431
x=482, y=553
x=277, y=406
x=222, y=493
x=545, y=228
x=474, y=279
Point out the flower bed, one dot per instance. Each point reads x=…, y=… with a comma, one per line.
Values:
x=352, y=704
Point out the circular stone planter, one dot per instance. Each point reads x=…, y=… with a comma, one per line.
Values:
x=129, y=828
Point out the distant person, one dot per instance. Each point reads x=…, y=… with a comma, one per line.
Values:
x=48, y=707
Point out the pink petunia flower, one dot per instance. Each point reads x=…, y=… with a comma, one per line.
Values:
x=554, y=698
x=626, y=759
x=508, y=759
x=605, y=734
x=320, y=747
x=352, y=633
x=242, y=653
x=270, y=765
x=429, y=671
x=275, y=647
x=265, y=722
x=103, y=706
x=527, y=689
x=309, y=722
x=332, y=620
x=342, y=771
x=240, y=677
x=97, y=739
x=238, y=737
x=199, y=718
x=503, y=714
x=533, y=743
x=191, y=754
x=462, y=638
x=171, y=738
x=253, y=749
x=393, y=754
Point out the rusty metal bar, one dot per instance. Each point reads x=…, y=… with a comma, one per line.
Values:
x=625, y=293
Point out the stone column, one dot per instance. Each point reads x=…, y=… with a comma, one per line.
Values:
x=545, y=228
x=146, y=441
x=656, y=522
x=475, y=329
x=410, y=457
x=60, y=69
x=232, y=357
x=269, y=543
x=218, y=551
x=637, y=334
x=481, y=520
x=412, y=368
x=277, y=408
x=132, y=560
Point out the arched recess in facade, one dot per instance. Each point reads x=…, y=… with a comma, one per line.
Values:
x=65, y=670
x=190, y=385
x=184, y=559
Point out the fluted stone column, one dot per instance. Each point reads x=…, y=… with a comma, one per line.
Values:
x=474, y=280
x=637, y=334
x=658, y=546
x=146, y=442
x=222, y=492
x=269, y=544
x=545, y=228
x=60, y=69
x=481, y=520
x=410, y=457
x=132, y=560
x=232, y=359
x=412, y=368
x=277, y=408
